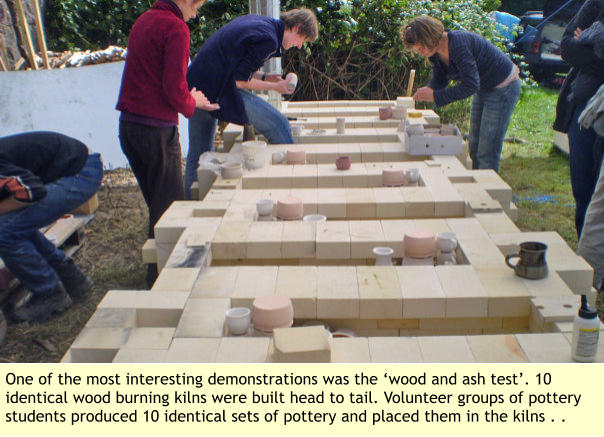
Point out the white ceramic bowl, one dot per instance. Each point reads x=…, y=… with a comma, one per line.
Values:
x=278, y=157
x=265, y=206
x=238, y=320
x=446, y=241
x=314, y=218
x=231, y=170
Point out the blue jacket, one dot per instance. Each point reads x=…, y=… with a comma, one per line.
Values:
x=233, y=53
x=475, y=63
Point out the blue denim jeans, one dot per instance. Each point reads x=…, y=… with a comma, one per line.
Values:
x=585, y=159
x=202, y=130
x=489, y=119
x=24, y=249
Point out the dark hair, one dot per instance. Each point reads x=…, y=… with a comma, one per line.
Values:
x=305, y=19
x=422, y=30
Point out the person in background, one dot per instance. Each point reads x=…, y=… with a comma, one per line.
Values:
x=43, y=175
x=153, y=91
x=581, y=83
x=236, y=52
x=480, y=69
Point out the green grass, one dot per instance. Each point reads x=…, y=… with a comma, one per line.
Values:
x=537, y=172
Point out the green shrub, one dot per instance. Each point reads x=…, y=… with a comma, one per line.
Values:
x=359, y=53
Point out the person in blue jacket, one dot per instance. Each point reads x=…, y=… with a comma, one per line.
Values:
x=479, y=69
x=226, y=70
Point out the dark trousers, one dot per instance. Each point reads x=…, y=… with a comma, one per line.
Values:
x=585, y=159
x=155, y=157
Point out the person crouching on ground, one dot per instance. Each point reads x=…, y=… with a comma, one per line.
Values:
x=153, y=91
x=43, y=175
x=480, y=69
x=236, y=52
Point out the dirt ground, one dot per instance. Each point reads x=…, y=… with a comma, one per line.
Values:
x=110, y=255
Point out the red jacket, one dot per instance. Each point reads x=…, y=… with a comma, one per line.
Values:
x=153, y=82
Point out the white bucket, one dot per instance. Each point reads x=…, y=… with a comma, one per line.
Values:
x=254, y=153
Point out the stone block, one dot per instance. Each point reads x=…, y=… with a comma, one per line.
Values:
x=445, y=349
x=203, y=318
x=350, y=350
x=379, y=293
x=228, y=239
x=149, y=338
x=364, y=236
x=98, y=345
x=253, y=281
x=394, y=350
x=299, y=283
x=423, y=296
x=298, y=239
x=333, y=240
x=337, y=293
x=264, y=240
x=140, y=356
x=360, y=203
x=464, y=293
x=496, y=349
x=215, y=282
x=176, y=279
x=545, y=348
x=308, y=344
x=242, y=350
x=193, y=350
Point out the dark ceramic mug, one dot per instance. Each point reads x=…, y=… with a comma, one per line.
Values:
x=531, y=263
x=343, y=163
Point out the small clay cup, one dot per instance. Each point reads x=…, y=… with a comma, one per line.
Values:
x=385, y=113
x=238, y=320
x=290, y=208
x=343, y=163
x=296, y=156
x=231, y=170
x=419, y=244
x=278, y=157
x=392, y=177
x=265, y=206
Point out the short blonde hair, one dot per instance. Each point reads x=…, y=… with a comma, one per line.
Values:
x=305, y=18
x=422, y=30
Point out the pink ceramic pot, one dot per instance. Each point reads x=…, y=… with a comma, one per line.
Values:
x=272, y=311
x=290, y=208
x=385, y=113
x=419, y=244
x=343, y=163
x=392, y=177
x=296, y=156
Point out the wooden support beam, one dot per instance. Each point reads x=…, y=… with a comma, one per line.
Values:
x=410, y=84
x=31, y=54
x=40, y=33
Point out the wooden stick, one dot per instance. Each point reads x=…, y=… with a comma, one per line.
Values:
x=3, y=54
x=410, y=85
x=2, y=64
x=20, y=62
x=25, y=30
x=40, y=32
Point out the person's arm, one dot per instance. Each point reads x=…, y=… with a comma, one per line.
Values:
x=18, y=187
x=261, y=85
x=470, y=79
x=573, y=51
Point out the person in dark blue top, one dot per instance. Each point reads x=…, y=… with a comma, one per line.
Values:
x=480, y=70
x=226, y=70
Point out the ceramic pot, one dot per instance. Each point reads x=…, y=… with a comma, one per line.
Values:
x=383, y=256
x=272, y=311
x=265, y=206
x=290, y=208
x=340, y=125
x=296, y=156
x=231, y=170
x=399, y=113
x=278, y=157
x=385, y=113
x=238, y=320
x=343, y=163
x=419, y=244
x=254, y=153
x=412, y=176
x=392, y=177
x=446, y=241
x=292, y=78
x=314, y=218
x=415, y=129
x=531, y=263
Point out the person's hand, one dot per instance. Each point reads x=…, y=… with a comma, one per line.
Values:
x=202, y=102
x=281, y=87
x=424, y=94
x=577, y=32
x=273, y=77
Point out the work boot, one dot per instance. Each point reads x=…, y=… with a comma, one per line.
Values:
x=41, y=307
x=76, y=283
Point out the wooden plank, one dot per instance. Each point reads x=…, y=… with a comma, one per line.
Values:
x=27, y=36
x=40, y=33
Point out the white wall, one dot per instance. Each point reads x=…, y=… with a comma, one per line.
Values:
x=79, y=102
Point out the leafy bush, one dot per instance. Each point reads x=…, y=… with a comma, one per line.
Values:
x=359, y=53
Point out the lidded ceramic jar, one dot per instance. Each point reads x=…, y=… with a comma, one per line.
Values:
x=290, y=208
x=419, y=244
x=272, y=311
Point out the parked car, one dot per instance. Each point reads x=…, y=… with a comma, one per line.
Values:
x=539, y=41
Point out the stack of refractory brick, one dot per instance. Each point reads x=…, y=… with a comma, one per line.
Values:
x=214, y=254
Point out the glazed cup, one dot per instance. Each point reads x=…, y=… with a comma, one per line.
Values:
x=531, y=263
x=385, y=113
x=238, y=320
x=265, y=207
x=343, y=163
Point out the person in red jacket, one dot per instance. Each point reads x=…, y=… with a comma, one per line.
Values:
x=153, y=91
